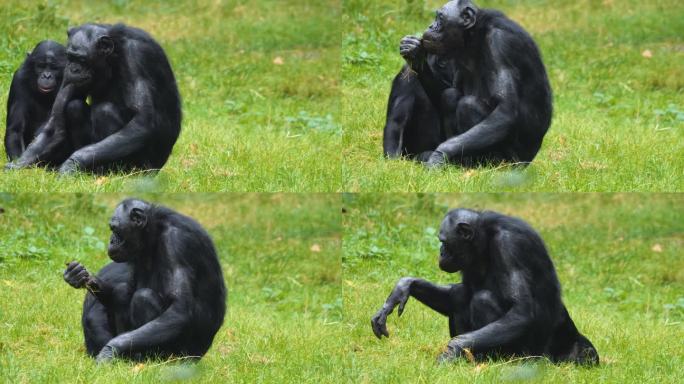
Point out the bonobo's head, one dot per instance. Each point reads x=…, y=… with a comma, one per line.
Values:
x=88, y=51
x=451, y=21
x=46, y=62
x=129, y=226
x=458, y=234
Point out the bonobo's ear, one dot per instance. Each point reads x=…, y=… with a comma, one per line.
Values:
x=70, y=31
x=138, y=217
x=465, y=230
x=469, y=17
x=105, y=45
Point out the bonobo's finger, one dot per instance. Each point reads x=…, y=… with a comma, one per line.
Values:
x=71, y=265
x=402, y=304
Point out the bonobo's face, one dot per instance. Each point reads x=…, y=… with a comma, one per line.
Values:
x=48, y=60
x=446, y=32
x=87, y=52
x=128, y=225
x=457, y=235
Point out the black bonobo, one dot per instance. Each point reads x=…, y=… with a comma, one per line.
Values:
x=134, y=115
x=162, y=296
x=33, y=90
x=509, y=301
x=474, y=91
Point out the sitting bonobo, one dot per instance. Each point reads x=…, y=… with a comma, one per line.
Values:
x=509, y=301
x=162, y=296
x=474, y=91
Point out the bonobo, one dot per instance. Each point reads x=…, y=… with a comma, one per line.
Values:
x=33, y=90
x=164, y=293
x=509, y=300
x=134, y=115
x=474, y=91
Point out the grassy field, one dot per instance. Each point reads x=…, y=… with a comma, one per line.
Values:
x=618, y=80
x=280, y=255
x=259, y=82
x=619, y=261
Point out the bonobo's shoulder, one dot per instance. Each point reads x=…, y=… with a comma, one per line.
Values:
x=499, y=24
x=121, y=30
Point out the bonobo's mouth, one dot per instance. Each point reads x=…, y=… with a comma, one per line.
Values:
x=115, y=243
x=45, y=89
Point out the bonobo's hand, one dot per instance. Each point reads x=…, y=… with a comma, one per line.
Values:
x=399, y=296
x=411, y=50
x=76, y=275
x=455, y=350
x=436, y=160
x=106, y=355
x=69, y=167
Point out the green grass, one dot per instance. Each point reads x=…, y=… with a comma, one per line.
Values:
x=280, y=255
x=619, y=116
x=618, y=258
x=249, y=124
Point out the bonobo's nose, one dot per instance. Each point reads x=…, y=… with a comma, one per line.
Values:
x=46, y=75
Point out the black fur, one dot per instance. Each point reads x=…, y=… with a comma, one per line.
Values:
x=134, y=117
x=509, y=301
x=474, y=91
x=164, y=293
x=33, y=90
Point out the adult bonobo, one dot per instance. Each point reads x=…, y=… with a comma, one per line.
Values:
x=509, y=300
x=33, y=90
x=164, y=293
x=479, y=92
x=134, y=115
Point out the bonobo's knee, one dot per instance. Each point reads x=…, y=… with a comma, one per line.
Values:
x=76, y=110
x=145, y=306
x=450, y=99
x=469, y=104
x=484, y=308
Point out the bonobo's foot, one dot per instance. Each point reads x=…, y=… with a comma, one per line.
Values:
x=76, y=275
x=412, y=50
x=12, y=166
x=69, y=167
x=437, y=159
x=454, y=352
x=106, y=355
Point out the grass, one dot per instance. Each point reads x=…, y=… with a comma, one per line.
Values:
x=618, y=80
x=259, y=82
x=618, y=258
x=280, y=255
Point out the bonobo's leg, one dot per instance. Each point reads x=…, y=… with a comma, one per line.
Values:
x=469, y=112
x=446, y=300
x=109, y=145
x=484, y=309
x=569, y=345
x=449, y=112
x=146, y=305
x=97, y=329
x=106, y=120
x=78, y=123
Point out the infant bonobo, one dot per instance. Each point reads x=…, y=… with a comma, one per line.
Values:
x=509, y=301
x=162, y=296
x=32, y=93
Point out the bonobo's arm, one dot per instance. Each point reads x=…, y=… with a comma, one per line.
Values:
x=445, y=299
x=499, y=124
x=52, y=136
x=78, y=277
x=130, y=139
x=17, y=114
x=412, y=51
